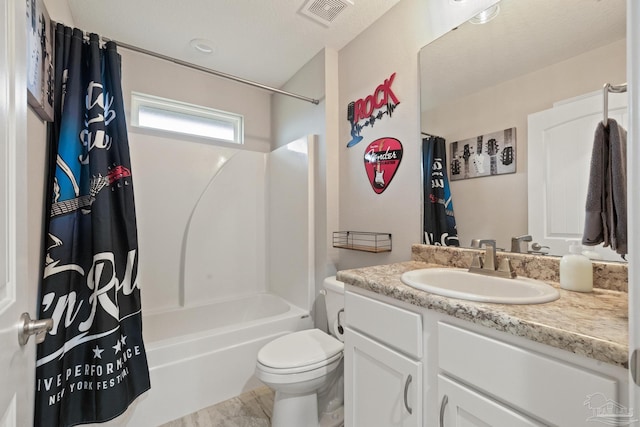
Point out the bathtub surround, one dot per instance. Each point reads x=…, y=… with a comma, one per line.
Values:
x=213, y=297
x=290, y=238
x=215, y=236
x=593, y=325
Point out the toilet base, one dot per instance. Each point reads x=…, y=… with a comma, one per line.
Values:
x=295, y=410
x=332, y=419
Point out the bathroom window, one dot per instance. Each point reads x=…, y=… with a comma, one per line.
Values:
x=168, y=115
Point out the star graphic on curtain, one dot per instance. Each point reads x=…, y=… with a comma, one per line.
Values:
x=97, y=352
x=117, y=347
x=123, y=340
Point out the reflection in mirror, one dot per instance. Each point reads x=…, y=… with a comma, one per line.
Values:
x=479, y=79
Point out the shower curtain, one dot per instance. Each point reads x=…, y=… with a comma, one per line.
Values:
x=439, y=223
x=92, y=364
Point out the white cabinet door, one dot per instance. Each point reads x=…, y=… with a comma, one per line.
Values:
x=382, y=387
x=463, y=407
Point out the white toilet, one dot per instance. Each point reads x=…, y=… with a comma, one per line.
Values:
x=306, y=371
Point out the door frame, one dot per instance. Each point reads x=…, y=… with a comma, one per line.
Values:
x=633, y=188
x=18, y=363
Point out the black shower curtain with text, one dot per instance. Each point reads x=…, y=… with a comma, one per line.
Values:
x=93, y=364
x=439, y=223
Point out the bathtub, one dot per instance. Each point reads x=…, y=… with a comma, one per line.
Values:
x=202, y=355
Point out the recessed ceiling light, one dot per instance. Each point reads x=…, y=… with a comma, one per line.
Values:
x=486, y=15
x=202, y=45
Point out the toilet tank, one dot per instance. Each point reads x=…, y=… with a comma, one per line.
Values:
x=334, y=302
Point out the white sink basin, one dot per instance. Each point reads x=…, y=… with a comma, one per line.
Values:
x=459, y=283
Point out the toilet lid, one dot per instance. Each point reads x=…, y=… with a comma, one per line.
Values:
x=299, y=349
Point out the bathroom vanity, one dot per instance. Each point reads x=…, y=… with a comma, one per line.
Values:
x=419, y=359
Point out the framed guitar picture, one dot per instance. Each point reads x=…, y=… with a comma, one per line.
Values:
x=39, y=60
x=484, y=155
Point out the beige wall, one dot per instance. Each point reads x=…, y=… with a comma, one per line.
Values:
x=390, y=45
x=496, y=208
x=36, y=149
x=59, y=11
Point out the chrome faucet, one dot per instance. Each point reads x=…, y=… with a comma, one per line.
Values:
x=477, y=243
x=488, y=265
x=516, y=243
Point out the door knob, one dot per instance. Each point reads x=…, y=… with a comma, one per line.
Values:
x=29, y=327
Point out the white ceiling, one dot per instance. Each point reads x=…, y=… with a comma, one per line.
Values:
x=266, y=41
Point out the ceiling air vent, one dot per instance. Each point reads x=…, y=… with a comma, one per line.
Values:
x=324, y=11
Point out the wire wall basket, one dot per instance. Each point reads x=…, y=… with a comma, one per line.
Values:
x=362, y=241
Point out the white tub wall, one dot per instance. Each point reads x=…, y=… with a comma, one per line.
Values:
x=224, y=252
x=291, y=236
x=170, y=175
x=165, y=198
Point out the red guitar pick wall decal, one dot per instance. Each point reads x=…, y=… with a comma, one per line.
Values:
x=381, y=160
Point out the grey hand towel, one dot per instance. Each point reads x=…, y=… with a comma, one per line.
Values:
x=606, y=207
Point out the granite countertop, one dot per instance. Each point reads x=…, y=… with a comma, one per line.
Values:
x=593, y=324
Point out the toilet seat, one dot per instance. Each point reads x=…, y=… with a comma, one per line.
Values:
x=299, y=369
x=300, y=352
x=319, y=370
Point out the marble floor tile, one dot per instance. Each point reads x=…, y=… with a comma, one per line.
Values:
x=250, y=409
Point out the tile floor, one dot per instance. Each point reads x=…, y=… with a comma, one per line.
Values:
x=250, y=409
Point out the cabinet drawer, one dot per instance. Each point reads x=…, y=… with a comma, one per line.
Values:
x=393, y=326
x=552, y=390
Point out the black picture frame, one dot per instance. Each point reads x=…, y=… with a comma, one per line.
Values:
x=39, y=60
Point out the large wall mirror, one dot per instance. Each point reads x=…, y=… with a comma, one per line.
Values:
x=533, y=57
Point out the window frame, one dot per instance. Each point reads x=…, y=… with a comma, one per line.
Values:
x=139, y=100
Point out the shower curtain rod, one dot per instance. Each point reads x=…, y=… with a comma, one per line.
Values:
x=207, y=70
x=430, y=135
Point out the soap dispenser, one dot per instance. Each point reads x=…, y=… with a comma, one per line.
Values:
x=576, y=271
